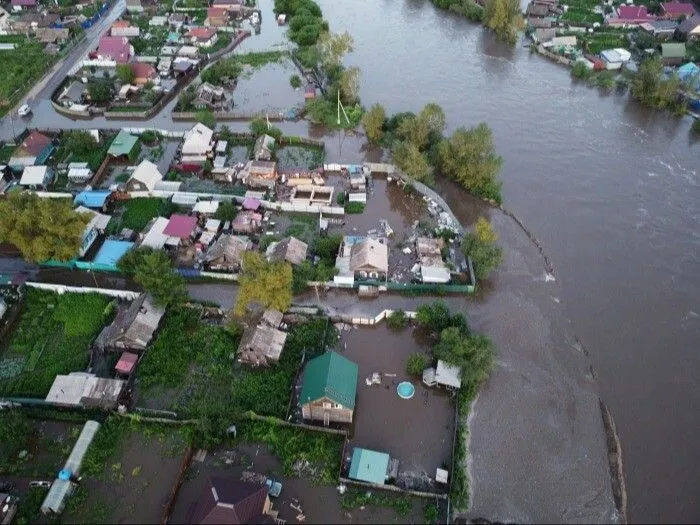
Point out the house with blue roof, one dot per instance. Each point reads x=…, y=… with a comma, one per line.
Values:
x=108, y=256
x=94, y=199
x=689, y=74
x=370, y=466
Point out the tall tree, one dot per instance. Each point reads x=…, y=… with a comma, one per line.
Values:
x=153, y=270
x=373, y=123
x=480, y=245
x=125, y=74
x=469, y=157
x=79, y=142
x=265, y=283
x=332, y=47
x=419, y=129
x=651, y=88
x=504, y=18
x=41, y=229
x=349, y=85
x=409, y=159
x=472, y=353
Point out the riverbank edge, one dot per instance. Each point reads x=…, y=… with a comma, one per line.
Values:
x=617, y=476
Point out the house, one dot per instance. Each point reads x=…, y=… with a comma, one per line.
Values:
x=197, y=144
x=177, y=20
x=165, y=64
x=133, y=327
x=155, y=237
x=158, y=21
x=216, y=16
x=124, y=146
x=19, y=5
x=612, y=59
x=79, y=172
x=227, y=4
x=206, y=207
x=673, y=54
x=227, y=253
x=109, y=254
x=264, y=147
x=661, y=28
x=432, y=267
x=210, y=95
x=361, y=258
x=542, y=34
x=95, y=199
x=262, y=344
x=36, y=177
x=144, y=73
x=535, y=22
x=309, y=92
x=675, y=9
x=329, y=389
x=134, y=6
x=630, y=15
x=247, y=222
x=35, y=149
x=370, y=466
x=289, y=249
x=181, y=226
x=690, y=27
x=260, y=174
x=124, y=28
x=443, y=374
x=566, y=43
x=228, y=501
x=202, y=36
x=98, y=223
x=81, y=389
x=52, y=35
x=251, y=203
x=126, y=364
x=115, y=48
x=145, y=177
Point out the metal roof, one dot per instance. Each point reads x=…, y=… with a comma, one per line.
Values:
x=111, y=251
x=369, y=465
x=330, y=375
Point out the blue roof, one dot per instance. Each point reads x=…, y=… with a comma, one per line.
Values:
x=368, y=465
x=111, y=251
x=92, y=199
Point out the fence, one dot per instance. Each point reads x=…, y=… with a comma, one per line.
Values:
x=394, y=488
x=369, y=321
x=62, y=288
x=229, y=115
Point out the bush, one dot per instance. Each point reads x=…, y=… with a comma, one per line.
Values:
x=150, y=136
x=354, y=207
x=417, y=362
x=581, y=71
x=397, y=320
x=295, y=81
x=340, y=198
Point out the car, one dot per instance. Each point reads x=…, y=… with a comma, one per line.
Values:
x=24, y=110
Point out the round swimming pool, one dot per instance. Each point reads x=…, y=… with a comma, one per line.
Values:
x=405, y=390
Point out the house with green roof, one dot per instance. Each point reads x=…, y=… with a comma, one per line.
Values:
x=673, y=54
x=370, y=466
x=329, y=389
x=124, y=146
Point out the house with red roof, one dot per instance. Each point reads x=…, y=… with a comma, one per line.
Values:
x=18, y=5
x=228, y=500
x=34, y=150
x=181, y=226
x=116, y=48
x=144, y=73
x=216, y=17
x=630, y=15
x=675, y=9
x=202, y=36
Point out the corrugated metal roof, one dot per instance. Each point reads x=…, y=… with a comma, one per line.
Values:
x=333, y=376
x=369, y=465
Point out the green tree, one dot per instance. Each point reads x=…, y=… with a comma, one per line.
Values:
x=504, y=18
x=420, y=129
x=412, y=162
x=153, y=270
x=41, y=229
x=397, y=320
x=373, y=123
x=295, y=81
x=480, y=245
x=416, y=363
x=125, y=74
x=80, y=143
x=434, y=316
x=469, y=157
x=651, y=88
x=258, y=126
x=472, y=353
x=99, y=91
x=206, y=117
x=327, y=247
x=332, y=47
x=266, y=283
x=226, y=211
x=349, y=85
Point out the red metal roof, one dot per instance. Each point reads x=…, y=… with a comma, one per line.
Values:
x=202, y=33
x=143, y=70
x=180, y=226
x=115, y=47
x=677, y=9
x=634, y=12
x=35, y=143
x=126, y=363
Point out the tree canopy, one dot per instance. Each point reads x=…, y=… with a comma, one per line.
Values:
x=42, y=229
x=125, y=74
x=153, y=270
x=504, y=18
x=80, y=143
x=469, y=157
x=472, y=353
x=651, y=88
x=268, y=284
x=332, y=47
x=420, y=129
x=409, y=159
x=436, y=316
x=373, y=123
x=480, y=246
x=226, y=211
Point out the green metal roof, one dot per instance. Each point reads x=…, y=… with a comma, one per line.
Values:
x=122, y=144
x=368, y=465
x=330, y=375
x=673, y=50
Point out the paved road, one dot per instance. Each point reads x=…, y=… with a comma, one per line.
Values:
x=41, y=92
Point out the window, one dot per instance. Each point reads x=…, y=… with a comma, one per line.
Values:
x=327, y=405
x=337, y=405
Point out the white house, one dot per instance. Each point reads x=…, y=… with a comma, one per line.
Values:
x=612, y=59
x=443, y=374
x=79, y=172
x=197, y=144
x=145, y=177
x=97, y=224
x=36, y=177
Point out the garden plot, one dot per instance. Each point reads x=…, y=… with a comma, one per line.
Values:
x=266, y=88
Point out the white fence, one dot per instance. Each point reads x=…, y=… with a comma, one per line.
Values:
x=166, y=133
x=53, y=195
x=370, y=321
x=62, y=288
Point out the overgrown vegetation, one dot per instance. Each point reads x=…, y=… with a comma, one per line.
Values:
x=652, y=89
x=354, y=498
x=397, y=320
x=416, y=363
x=229, y=69
x=259, y=126
x=354, y=207
x=480, y=245
x=52, y=337
x=137, y=213
x=22, y=67
x=81, y=146
x=153, y=270
x=504, y=18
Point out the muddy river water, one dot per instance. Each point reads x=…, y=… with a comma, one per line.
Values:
x=612, y=191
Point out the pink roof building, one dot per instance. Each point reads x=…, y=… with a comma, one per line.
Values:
x=143, y=72
x=181, y=226
x=115, y=48
x=127, y=363
x=629, y=15
x=250, y=203
x=675, y=9
x=34, y=144
x=23, y=3
x=202, y=33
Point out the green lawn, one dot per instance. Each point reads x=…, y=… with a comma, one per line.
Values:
x=21, y=69
x=597, y=42
x=581, y=16
x=52, y=337
x=137, y=213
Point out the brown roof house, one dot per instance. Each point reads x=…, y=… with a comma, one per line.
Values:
x=216, y=16
x=261, y=345
x=260, y=174
x=289, y=249
x=247, y=222
x=369, y=259
x=227, y=253
x=229, y=501
x=133, y=327
x=51, y=35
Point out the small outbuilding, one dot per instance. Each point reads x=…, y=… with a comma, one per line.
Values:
x=289, y=249
x=443, y=374
x=126, y=364
x=226, y=253
x=264, y=147
x=262, y=344
x=370, y=466
x=133, y=327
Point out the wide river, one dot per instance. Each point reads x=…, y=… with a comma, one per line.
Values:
x=613, y=192
x=610, y=188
